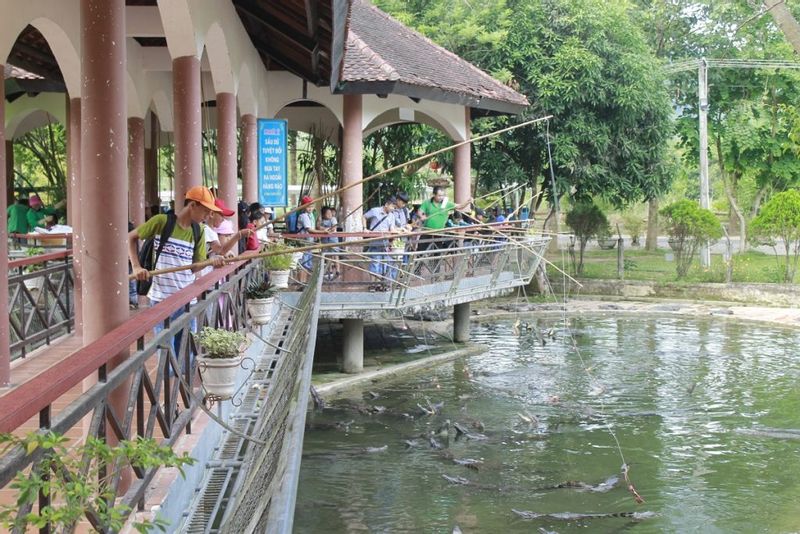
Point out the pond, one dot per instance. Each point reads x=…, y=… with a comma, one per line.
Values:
x=695, y=405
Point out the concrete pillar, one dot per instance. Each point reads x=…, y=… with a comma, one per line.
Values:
x=462, y=171
x=9, y=172
x=136, y=170
x=249, y=158
x=151, y=197
x=461, y=323
x=226, y=147
x=352, y=345
x=187, y=125
x=352, y=172
x=104, y=155
x=74, y=206
x=462, y=174
x=5, y=335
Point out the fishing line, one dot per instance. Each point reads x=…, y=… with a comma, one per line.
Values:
x=568, y=329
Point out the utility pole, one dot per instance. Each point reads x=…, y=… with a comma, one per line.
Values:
x=705, y=201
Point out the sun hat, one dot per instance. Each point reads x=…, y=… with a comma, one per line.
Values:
x=225, y=210
x=34, y=201
x=202, y=196
x=402, y=196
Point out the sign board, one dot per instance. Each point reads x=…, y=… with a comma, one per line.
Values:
x=273, y=176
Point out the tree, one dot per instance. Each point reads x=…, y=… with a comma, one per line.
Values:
x=780, y=217
x=41, y=153
x=785, y=21
x=689, y=226
x=583, y=61
x=587, y=220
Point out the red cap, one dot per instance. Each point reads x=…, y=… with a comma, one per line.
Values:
x=306, y=200
x=225, y=210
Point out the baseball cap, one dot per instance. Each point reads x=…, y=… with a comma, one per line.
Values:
x=306, y=200
x=225, y=210
x=202, y=196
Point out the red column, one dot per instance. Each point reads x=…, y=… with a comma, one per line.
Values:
x=187, y=125
x=5, y=337
x=226, y=147
x=352, y=172
x=462, y=175
x=104, y=188
x=74, y=205
x=136, y=170
x=249, y=158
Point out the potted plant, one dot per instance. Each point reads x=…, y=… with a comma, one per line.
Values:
x=221, y=354
x=397, y=246
x=36, y=283
x=605, y=240
x=278, y=264
x=260, y=295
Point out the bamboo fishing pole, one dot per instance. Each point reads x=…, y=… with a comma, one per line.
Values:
x=411, y=162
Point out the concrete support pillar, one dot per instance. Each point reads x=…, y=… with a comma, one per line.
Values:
x=352, y=171
x=352, y=345
x=5, y=335
x=136, y=170
x=226, y=147
x=462, y=171
x=74, y=205
x=187, y=125
x=151, y=197
x=461, y=323
x=249, y=158
x=10, y=172
x=104, y=147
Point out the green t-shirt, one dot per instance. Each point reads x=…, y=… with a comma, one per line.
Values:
x=18, y=219
x=35, y=217
x=436, y=215
x=179, y=250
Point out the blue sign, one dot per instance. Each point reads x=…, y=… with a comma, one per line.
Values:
x=273, y=179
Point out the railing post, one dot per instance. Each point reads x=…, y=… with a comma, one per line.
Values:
x=5, y=327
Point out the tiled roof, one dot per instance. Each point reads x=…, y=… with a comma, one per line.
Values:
x=383, y=56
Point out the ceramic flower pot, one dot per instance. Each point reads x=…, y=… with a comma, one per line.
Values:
x=279, y=279
x=219, y=375
x=260, y=310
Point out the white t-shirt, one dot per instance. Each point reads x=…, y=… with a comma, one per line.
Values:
x=211, y=236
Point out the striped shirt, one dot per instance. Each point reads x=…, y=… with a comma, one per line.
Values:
x=179, y=250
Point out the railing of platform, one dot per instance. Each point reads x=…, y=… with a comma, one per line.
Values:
x=432, y=270
x=155, y=404
x=40, y=301
x=264, y=498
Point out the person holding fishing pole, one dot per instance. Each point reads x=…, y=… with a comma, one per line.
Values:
x=435, y=212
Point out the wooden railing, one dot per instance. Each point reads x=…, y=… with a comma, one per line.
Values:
x=155, y=402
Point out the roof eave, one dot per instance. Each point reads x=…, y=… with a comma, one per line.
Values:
x=490, y=106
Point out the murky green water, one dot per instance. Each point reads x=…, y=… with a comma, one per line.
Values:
x=680, y=395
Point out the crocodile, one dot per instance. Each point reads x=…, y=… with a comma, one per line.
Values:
x=572, y=516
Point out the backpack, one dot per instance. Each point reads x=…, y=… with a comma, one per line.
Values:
x=148, y=260
x=291, y=223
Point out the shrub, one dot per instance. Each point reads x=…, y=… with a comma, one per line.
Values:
x=281, y=258
x=634, y=226
x=34, y=251
x=587, y=221
x=78, y=479
x=780, y=217
x=219, y=343
x=690, y=226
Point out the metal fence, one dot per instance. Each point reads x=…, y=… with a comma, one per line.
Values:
x=155, y=403
x=440, y=272
x=263, y=497
x=40, y=301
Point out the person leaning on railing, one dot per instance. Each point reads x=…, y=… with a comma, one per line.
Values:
x=435, y=212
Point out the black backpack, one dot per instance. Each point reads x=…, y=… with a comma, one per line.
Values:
x=148, y=260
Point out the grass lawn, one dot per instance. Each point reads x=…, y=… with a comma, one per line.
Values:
x=750, y=267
